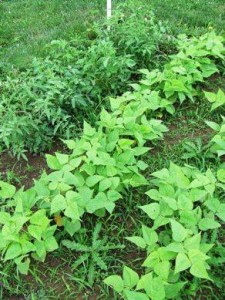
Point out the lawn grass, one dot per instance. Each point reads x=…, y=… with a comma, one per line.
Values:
x=26, y=27
x=191, y=16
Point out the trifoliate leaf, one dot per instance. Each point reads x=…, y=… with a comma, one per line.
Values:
x=207, y=223
x=182, y=263
x=198, y=269
x=58, y=204
x=6, y=190
x=13, y=251
x=178, y=231
x=115, y=282
x=53, y=162
x=130, y=277
x=152, y=210
x=138, y=241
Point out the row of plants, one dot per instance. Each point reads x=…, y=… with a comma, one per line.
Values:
x=108, y=159
x=184, y=204
x=50, y=98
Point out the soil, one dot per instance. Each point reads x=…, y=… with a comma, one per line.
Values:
x=22, y=172
x=171, y=139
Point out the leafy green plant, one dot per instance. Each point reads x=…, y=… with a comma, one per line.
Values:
x=105, y=72
x=135, y=30
x=33, y=107
x=102, y=164
x=196, y=151
x=41, y=103
x=217, y=143
x=192, y=64
x=209, y=44
x=108, y=159
x=24, y=233
x=217, y=100
x=100, y=70
x=185, y=204
x=92, y=255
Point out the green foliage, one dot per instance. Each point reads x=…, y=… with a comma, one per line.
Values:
x=45, y=101
x=99, y=69
x=93, y=255
x=105, y=70
x=209, y=44
x=134, y=30
x=102, y=164
x=182, y=219
x=42, y=103
x=217, y=100
x=185, y=204
x=217, y=143
x=196, y=151
x=108, y=159
x=24, y=233
x=67, y=18
x=33, y=107
x=193, y=63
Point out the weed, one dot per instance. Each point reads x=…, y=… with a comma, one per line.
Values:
x=92, y=256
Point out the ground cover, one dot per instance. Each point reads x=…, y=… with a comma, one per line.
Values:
x=186, y=142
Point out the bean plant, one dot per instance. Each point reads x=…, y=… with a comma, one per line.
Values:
x=183, y=204
x=108, y=159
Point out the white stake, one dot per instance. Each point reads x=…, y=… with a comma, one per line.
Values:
x=109, y=8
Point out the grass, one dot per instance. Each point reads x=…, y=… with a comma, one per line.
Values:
x=25, y=28
x=192, y=16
